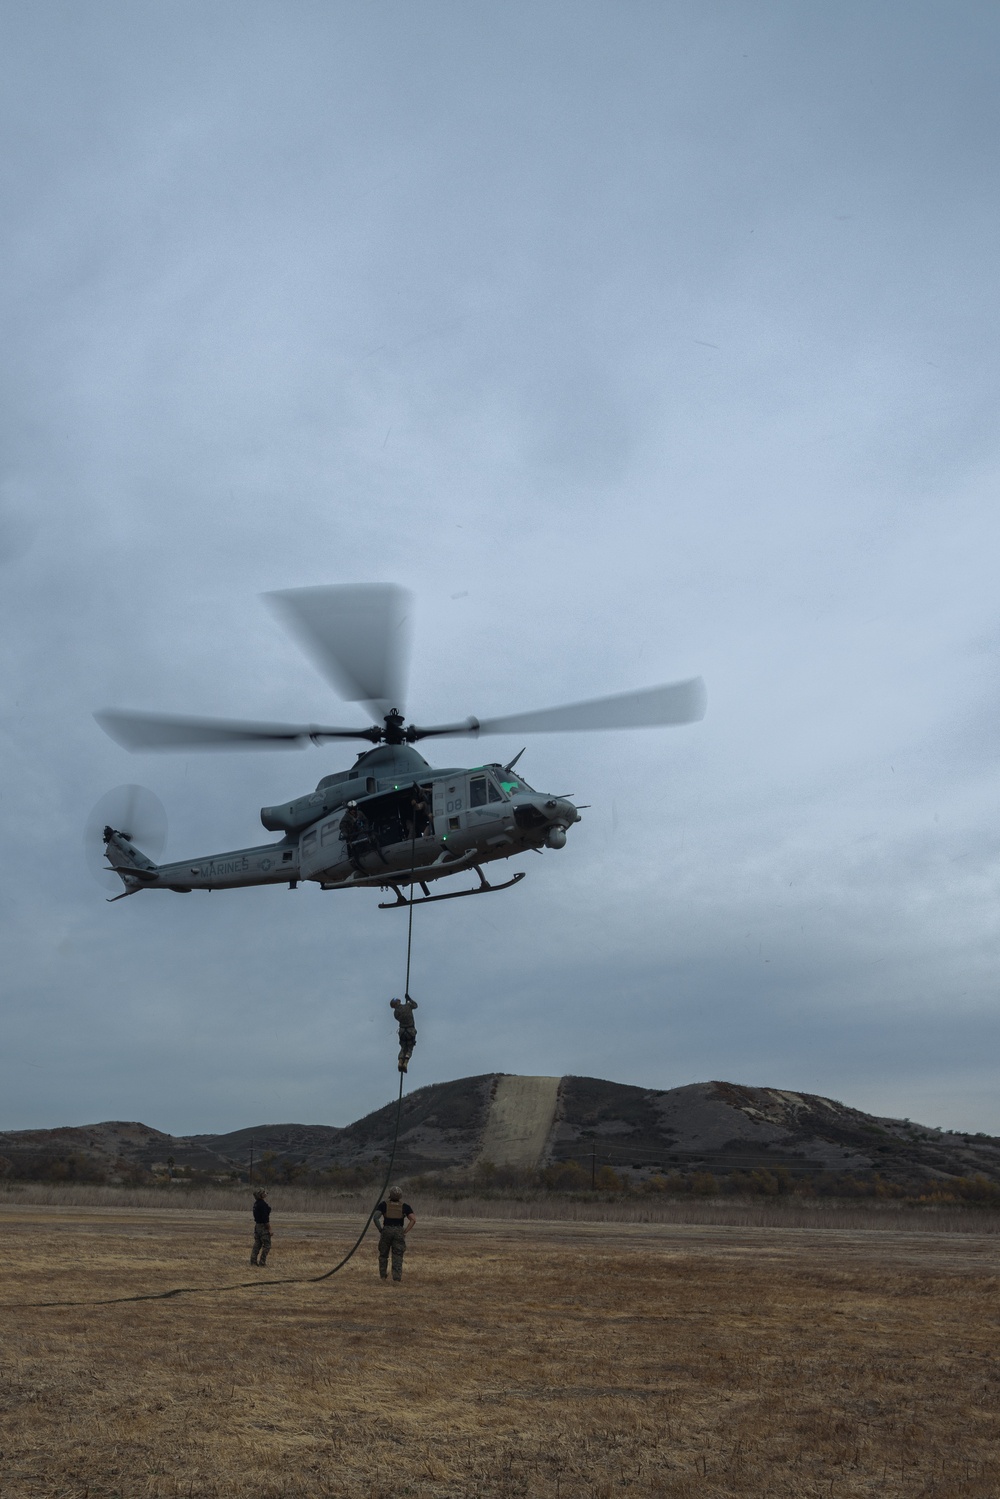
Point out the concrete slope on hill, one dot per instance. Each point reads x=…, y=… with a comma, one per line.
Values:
x=519, y=1122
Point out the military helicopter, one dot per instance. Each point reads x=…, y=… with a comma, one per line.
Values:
x=392, y=820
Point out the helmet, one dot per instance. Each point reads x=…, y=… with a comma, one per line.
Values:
x=395, y=1194
x=352, y=804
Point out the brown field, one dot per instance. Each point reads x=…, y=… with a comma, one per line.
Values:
x=561, y=1359
x=792, y=1211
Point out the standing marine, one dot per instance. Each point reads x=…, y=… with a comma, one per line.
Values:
x=261, y=1228
x=403, y=1010
x=393, y=1218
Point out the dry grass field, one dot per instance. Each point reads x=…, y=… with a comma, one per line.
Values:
x=562, y=1359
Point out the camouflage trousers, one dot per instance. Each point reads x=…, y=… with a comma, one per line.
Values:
x=261, y=1244
x=407, y=1041
x=391, y=1241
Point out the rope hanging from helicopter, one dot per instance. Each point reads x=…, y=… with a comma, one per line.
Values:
x=290, y=1280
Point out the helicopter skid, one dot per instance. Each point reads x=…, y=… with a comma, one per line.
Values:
x=485, y=888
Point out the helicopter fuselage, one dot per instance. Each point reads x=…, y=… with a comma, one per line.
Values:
x=411, y=823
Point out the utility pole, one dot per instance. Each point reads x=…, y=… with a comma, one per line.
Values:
x=251, y=1161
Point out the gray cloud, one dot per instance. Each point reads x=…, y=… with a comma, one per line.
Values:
x=637, y=343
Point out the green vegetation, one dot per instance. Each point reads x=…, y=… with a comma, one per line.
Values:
x=73, y=1166
x=587, y=1180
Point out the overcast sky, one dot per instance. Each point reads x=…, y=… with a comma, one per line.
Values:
x=640, y=340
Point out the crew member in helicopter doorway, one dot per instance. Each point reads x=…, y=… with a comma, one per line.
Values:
x=355, y=833
x=403, y=1010
x=420, y=820
x=393, y=1218
x=261, y=1228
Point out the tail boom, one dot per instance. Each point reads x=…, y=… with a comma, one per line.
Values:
x=270, y=864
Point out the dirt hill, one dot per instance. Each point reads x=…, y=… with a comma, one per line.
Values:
x=722, y=1127
x=523, y=1122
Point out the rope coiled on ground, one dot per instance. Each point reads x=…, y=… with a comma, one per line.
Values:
x=242, y=1285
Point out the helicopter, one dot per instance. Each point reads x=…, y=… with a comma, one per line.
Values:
x=392, y=820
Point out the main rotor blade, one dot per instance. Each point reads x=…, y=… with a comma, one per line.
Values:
x=163, y=731
x=358, y=635
x=652, y=707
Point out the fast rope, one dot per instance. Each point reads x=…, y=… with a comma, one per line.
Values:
x=291, y=1280
x=242, y=1285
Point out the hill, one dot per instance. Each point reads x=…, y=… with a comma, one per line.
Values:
x=519, y=1123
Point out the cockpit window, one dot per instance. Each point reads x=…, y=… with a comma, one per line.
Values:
x=511, y=785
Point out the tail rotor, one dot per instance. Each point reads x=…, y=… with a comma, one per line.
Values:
x=134, y=811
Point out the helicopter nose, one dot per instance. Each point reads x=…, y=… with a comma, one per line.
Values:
x=561, y=815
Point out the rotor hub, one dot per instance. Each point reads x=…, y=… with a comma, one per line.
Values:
x=395, y=728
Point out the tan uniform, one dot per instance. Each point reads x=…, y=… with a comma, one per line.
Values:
x=392, y=1239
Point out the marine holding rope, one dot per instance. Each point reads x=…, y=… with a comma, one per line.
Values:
x=261, y=1228
x=403, y=1010
x=354, y=832
x=393, y=1218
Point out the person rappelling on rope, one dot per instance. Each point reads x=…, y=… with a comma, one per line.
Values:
x=403, y=1010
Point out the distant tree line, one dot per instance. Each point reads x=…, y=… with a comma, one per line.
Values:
x=585, y=1179
x=72, y=1166
x=76, y=1166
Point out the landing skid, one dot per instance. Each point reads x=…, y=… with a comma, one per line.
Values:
x=483, y=888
